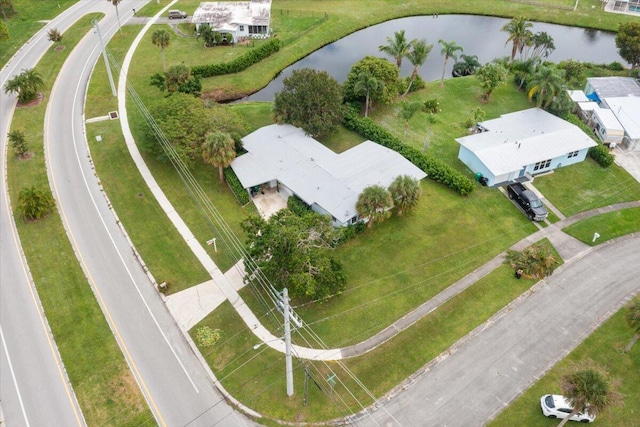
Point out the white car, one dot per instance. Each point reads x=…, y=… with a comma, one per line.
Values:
x=556, y=406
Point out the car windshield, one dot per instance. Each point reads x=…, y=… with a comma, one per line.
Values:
x=536, y=204
x=549, y=401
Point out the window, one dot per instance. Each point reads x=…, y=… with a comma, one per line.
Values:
x=542, y=165
x=241, y=28
x=574, y=154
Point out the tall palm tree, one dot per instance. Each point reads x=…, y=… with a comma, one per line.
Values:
x=407, y=111
x=374, y=203
x=518, y=29
x=633, y=319
x=26, y=85
x=449, y=50
x=542, y=44
x=218, y=149
x=405, y=193
x=584, y=389
x=116, y=3
x=545, y=84
x=398, y=47
x=418, y=55
x=365, y=84
x=162, y=39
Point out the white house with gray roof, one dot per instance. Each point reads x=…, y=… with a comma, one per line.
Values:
x=285, y=158
x=240, y=19
x=517, y=146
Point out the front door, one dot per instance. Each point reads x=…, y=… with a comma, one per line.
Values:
x=522, y=171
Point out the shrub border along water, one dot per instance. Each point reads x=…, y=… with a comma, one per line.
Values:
x=435, y=169
x=240, y=63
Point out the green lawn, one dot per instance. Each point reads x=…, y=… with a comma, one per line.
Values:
x=603, y=347
x=608, y=226
x=103, y=384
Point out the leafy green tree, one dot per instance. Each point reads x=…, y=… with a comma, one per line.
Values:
x=407, y=111
x=573, y=70
x=294, y=252
x=379, y=68
x=26, y=85
x=405, y=193
x=364, y=86
x=633, y=319
x=218, y=149
x=628, y=43
x=116, y=3
x=162, y=39
x=35, y=204
x=397, y=47
x=491, y=75
x=177, y=79
x=467, y=65
x=374, y=203
x=587, y=389
x=545, y=84
x=208, y=35
x=523, y=68
x=4, y=31
x=418, y=55
x=18, y=142
x=449, y=50
x=518, y=29
x=311, y=100
x=54, y=35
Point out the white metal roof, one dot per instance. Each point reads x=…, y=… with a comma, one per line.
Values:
x=227, y=15
x=588, y=106
x=315, y=173
x=577, y=96
x=627, y=111
x=608, y=120
x=523, y=138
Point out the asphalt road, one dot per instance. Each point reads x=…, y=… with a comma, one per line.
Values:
x=34, y=387
x=496, y=364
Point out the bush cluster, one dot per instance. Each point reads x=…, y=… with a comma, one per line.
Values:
x=435, y=169
x=240, y=63
x=297, y=206
x=432, y=106
x=234, y=183
x=601, y=154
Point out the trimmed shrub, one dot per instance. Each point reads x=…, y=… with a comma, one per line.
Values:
x=435, y=169
x=234, y=183
x=240, y=63
x=432, y=106
x=297, y=206
x=601, y=154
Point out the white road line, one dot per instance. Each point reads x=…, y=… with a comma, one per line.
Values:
x=13, y=376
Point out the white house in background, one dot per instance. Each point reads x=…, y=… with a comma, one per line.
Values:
x=606, y=126
x=516, y=146
x=626, y=109
x=240, y=19
x=285, y=158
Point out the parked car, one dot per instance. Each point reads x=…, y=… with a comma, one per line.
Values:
x=527, y=201
x=177, y=14
x=556, y=406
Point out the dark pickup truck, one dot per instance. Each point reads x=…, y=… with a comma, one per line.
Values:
x=528, y=201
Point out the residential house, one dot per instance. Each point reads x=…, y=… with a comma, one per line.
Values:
x=239, y=20
x=517, y=146
x=284, y=158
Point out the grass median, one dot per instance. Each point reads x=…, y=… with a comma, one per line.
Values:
x=608, y=226
x=103, y=384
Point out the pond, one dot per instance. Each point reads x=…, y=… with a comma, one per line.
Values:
x=478, y=35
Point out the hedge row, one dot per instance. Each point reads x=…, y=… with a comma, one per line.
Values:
x=240, y=63
x=236, y=186
x=601, y=154
x=435, y=169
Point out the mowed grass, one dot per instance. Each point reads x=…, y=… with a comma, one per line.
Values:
x=609, y=226
x=255, y=376
x=103, y=384
x=603, y=347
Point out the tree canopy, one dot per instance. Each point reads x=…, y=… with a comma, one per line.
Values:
x=382, y=70
x=405, y=192
x=162, y=39
x=519, y=34
x=26, y=85
x=311, y=100
x=587, y=388
x=628, y=43
x=294, y=252
x=397, y=47
x=218, y=149
x=491, y=76
x=374, y=203
x=449, y=50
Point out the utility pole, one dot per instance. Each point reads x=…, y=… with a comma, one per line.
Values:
x=104, y=55
x=287, y=342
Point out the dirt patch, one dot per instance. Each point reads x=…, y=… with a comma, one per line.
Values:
x=219, y=95
x=33, y=103
x=26, y=156
x=59, y=48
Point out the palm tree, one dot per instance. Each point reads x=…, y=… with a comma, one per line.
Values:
x=397, y=47
x=633, y=319
x=418, y=55
x=35, y=204
x=467, y=65
x=162, y=39
x=545, y=84
x=26, y=85
x=116, y=3
x=218, y=149
x=524, y=68
x=587, y=389
x=449, y=50
x=518, y=29
x=407, y=111
x=18, y=142
x=374, y=203
x=365, y=84
x=542, y=44
x=405, y=193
